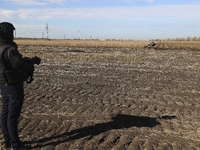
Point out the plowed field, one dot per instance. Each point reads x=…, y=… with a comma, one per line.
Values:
x=89, y=98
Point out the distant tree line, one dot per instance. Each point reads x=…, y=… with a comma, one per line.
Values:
x=179, y=39
x=172, y=39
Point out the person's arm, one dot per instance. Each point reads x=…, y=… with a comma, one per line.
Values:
x=19, y=63
x=27, y=64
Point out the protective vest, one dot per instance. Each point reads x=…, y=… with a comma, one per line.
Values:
x=2, y=49
x=8, y=74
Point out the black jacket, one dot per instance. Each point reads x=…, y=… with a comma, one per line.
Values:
x=12, y=59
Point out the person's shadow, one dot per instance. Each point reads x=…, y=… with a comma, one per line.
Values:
x=120, y=121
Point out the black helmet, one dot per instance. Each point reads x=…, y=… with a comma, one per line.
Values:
x=6, y=31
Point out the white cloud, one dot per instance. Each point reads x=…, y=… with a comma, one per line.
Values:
x=24, y=27
x=150, y=1
x=129, y=1
x=61, y=2
x=7, y=14
x=19, y=26
x=39, y=2
x=115, y=13
x=161, y=12
x=26, y=2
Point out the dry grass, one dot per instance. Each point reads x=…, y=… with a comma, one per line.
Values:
x=107, y=57
x=89, y=43
x=93, y=43
x=127, y=56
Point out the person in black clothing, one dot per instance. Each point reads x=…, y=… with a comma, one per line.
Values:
x=13, y=72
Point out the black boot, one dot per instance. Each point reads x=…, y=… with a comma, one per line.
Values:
x=6, y=145
x=20, y=147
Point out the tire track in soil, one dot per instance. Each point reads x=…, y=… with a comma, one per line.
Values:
x=160, y=103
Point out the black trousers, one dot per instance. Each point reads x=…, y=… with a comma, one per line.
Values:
x=12, y=99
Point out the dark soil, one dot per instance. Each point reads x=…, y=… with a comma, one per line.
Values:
x=150, y=103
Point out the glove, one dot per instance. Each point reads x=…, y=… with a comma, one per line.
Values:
x=37, y=60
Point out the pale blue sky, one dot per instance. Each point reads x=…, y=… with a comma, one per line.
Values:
x=103, y=19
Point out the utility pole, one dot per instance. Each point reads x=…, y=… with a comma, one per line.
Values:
x=15, y=33
x=47, y=30
x=78, y=35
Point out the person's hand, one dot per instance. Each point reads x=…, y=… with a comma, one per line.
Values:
x=37, y=60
